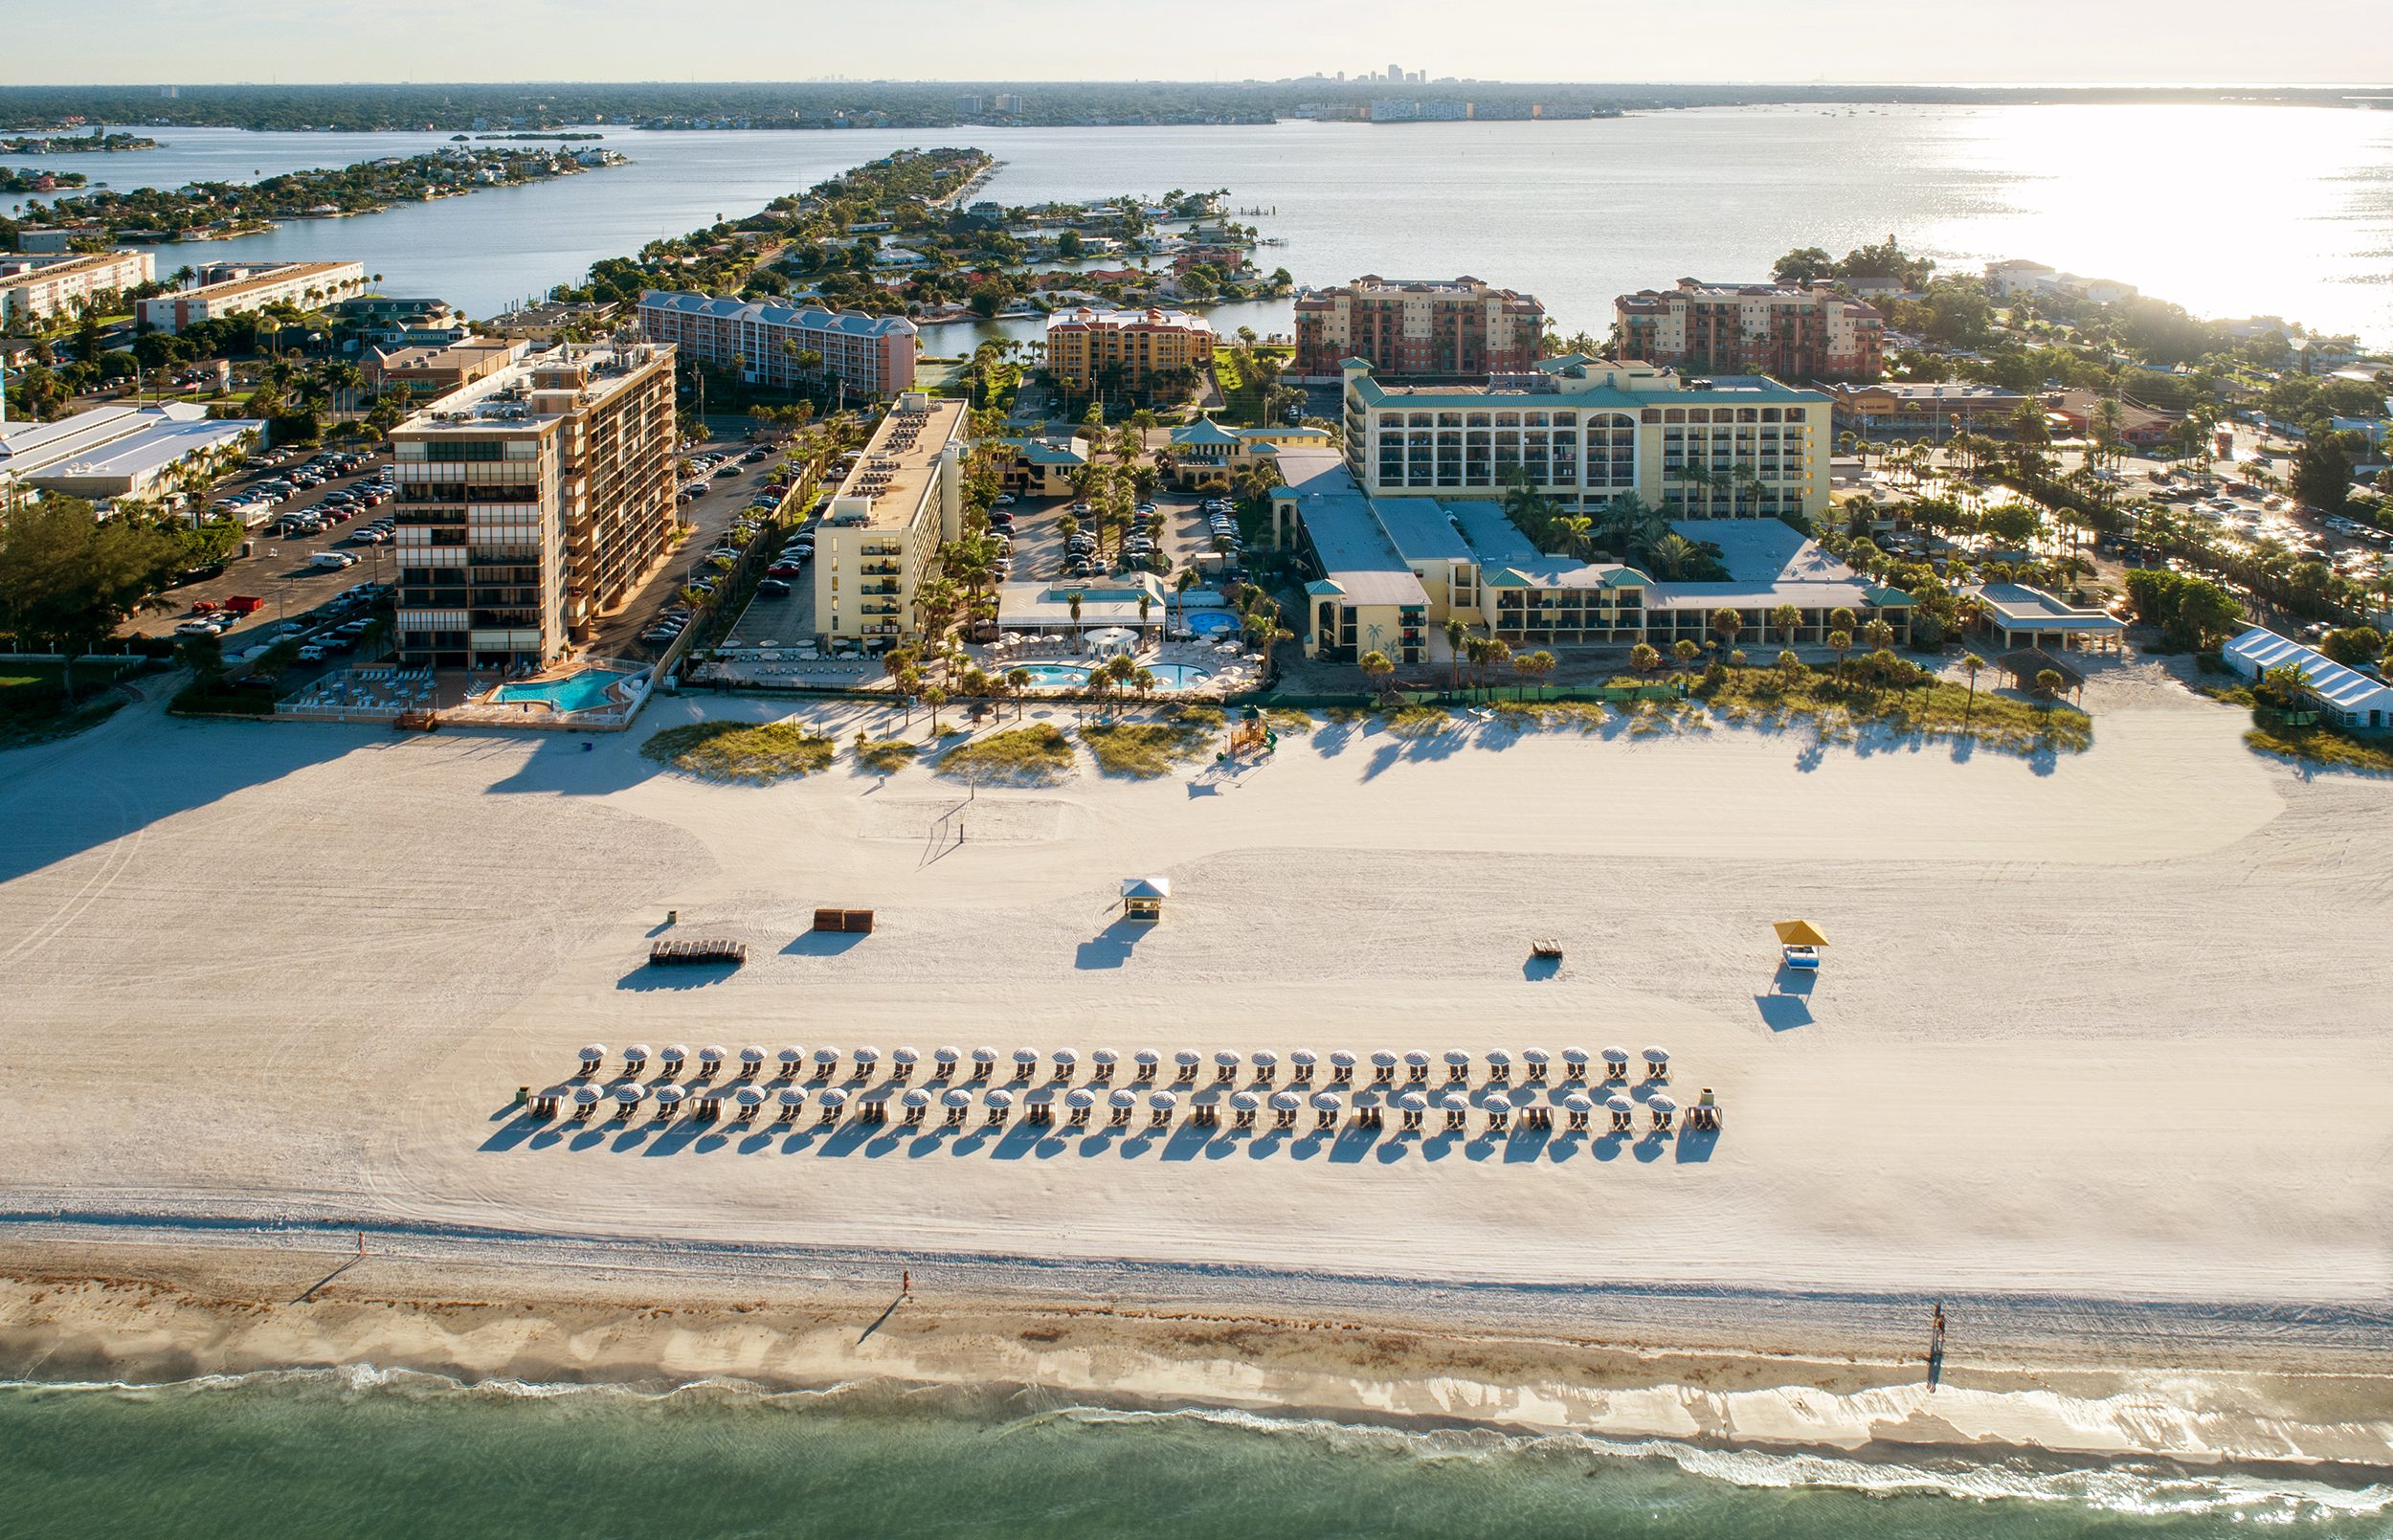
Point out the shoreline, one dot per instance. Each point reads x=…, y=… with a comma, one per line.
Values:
x=2221, y=1390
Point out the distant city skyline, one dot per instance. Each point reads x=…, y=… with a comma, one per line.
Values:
x=1875, y=42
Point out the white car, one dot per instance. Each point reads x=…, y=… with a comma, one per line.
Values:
x=332, y=560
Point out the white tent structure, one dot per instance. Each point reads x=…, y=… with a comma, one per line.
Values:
x=2345, y=697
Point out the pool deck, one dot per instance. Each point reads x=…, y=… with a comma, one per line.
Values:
x=778, y=668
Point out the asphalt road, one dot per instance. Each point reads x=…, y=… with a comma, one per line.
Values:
x=724, y=501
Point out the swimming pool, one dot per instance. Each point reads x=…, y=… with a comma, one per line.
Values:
x=1075, y=676
x=585, y=691
x=1211, y=622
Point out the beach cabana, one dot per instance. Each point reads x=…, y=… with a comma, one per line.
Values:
x=1327, y=1106
x=1799, y=944
x=1162, y=1105
x=1573, y=1064
x=791, y=1096
x=1341, y=1068
x=958, y=1103
x=1123, y=1104
x=710, y=1104
x=1142, y=898
x=668, y=1100
x=1657, y=1064
x=1705, y=1113
x=1300, y=1065
x=1537, y=1115
x=832, y=1102
x=1578, y=1104
x=1242, y=1103
x=1537, y=1058
x=751, y=1059
x=1413, y=1107
x=1616, y=1064
x=1457, y=1110
x=1079, y=1100
x=915, y=1101
x=1623, y=1110
x=1204, y=1114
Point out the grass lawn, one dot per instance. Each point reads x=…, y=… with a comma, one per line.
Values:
x=1940, y=709
x=888, y=755
x=1036, y=755
x=33, y=711
x=757, y=753
x=1147, y=749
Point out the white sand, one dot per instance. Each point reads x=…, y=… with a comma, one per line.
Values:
x=2105, y=1026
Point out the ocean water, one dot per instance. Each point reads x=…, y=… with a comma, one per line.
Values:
x=2228, y=210
x=364, y=1455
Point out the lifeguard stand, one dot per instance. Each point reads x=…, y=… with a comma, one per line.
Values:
x=1142, y=898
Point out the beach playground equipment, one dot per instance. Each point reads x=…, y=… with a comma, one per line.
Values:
x=1249, y=734
x=1800, y=943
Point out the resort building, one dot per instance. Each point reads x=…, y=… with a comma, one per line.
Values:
x=531, y=504
x=1588, y=431
x=1793, y=331
x=868, y=356
x=1039, y=468
x=2017, y=275
x=39, y=287
x=425, y=374
x=122, y=450
x=2023, y=616
x=1125, y=347
x=306, y=285
x=2076, y=408
x=879, y=537
x=1206, y=457
x=1935, y=409
x=2344, y=696
x=1451, y=329
x=1392, y=571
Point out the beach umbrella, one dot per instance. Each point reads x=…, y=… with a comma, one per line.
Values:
x=1340, y=1059
x=918, y=1097
x=752, y=1056
x=1456, y=1058
x=1657, y=1059
x=1026, y=1056
x=834, y=1098
x=1413, y=1101
x=637, y=1053
x=1537, y=1056
x=1619, y=1104
x=675, y=1052
x=1287, y=1101
x=1798, y=933
x=1497, y=1059
x=955, y=1099
x=867, y=1056
x=1225, y=1059
x=1067, y=1058
x=748, y=1096
x=984, y=1055
x=792, y=1096
x=1000, y=1099
x=1146, y=1058
x=1187, y=1058
x=630, y=1095
x=1163, y=1101
x=586, y=1095
x=946, y=1057
x=1616, y=1060
x=1454, y=1101
x=669, y=1097
x=1246, y=1101
x=1105, y=1057
x=1415, y=1060
x=713, y=1052
x=1580, y=1101
x=594, y=1055
x=790, y=1059
x=827, y=1057
x=1265, y=1059
x=1080, y=1096
x=1661, y=1104
x=906, y=1056
x=1302, y=1058
x=1123, y=1098
x=1327, y=1101
x=1574, y=1055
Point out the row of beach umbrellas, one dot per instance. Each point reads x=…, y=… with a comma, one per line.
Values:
x=1304, y=1064
x=1414, y=1108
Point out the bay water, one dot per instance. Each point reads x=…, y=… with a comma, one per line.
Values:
x=2228, y=210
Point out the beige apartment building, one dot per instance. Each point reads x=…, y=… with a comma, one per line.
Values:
x=309, y=285
x=39, y=287
x=531, y=504
x=878, y=540
x=1130, y=348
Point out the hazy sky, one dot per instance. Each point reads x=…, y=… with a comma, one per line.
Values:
x=2293, y=42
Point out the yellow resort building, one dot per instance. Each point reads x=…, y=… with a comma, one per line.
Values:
x=879, y=538
x=1087, y=347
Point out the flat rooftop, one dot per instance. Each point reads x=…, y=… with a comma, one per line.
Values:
x=114, y=440
x=234, y=289
x=897, y=467
x=2027, y=608
x=503, y=400
x=1354, y=549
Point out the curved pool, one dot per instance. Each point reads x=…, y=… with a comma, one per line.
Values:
x=585, y=691
x=1211, y=622
x=1075, y=675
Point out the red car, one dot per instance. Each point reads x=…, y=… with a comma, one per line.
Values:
x=783, y=569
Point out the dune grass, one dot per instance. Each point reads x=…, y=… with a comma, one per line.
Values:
x=1035, y=755
x=2314, y=743
x=1143, y=750
x=1936, y=709
x=888, y=755
x=1288, y=719
x=1586, y=716
x=1417, y=720
x=753, y=752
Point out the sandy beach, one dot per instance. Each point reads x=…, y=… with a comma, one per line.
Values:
x=2094, y=1057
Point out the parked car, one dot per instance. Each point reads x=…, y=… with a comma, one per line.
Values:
x=336, y=560
x=772, y=587
x=783, y=569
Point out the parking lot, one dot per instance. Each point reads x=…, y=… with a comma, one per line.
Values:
x=1182, y=530
x=631, y=632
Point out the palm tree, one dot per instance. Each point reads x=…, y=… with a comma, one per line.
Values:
x=1727, y=623
x=1377, y=669
x=1016, y=681
x=1643, y=658
x=1685, y=651
x=935, y=698
x=1671, y=554
x=1788, y=620
x=1840, y=642
x=1971, y=663
x=1456, y=634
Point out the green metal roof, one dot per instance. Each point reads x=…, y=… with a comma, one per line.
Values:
x=1322, y=588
